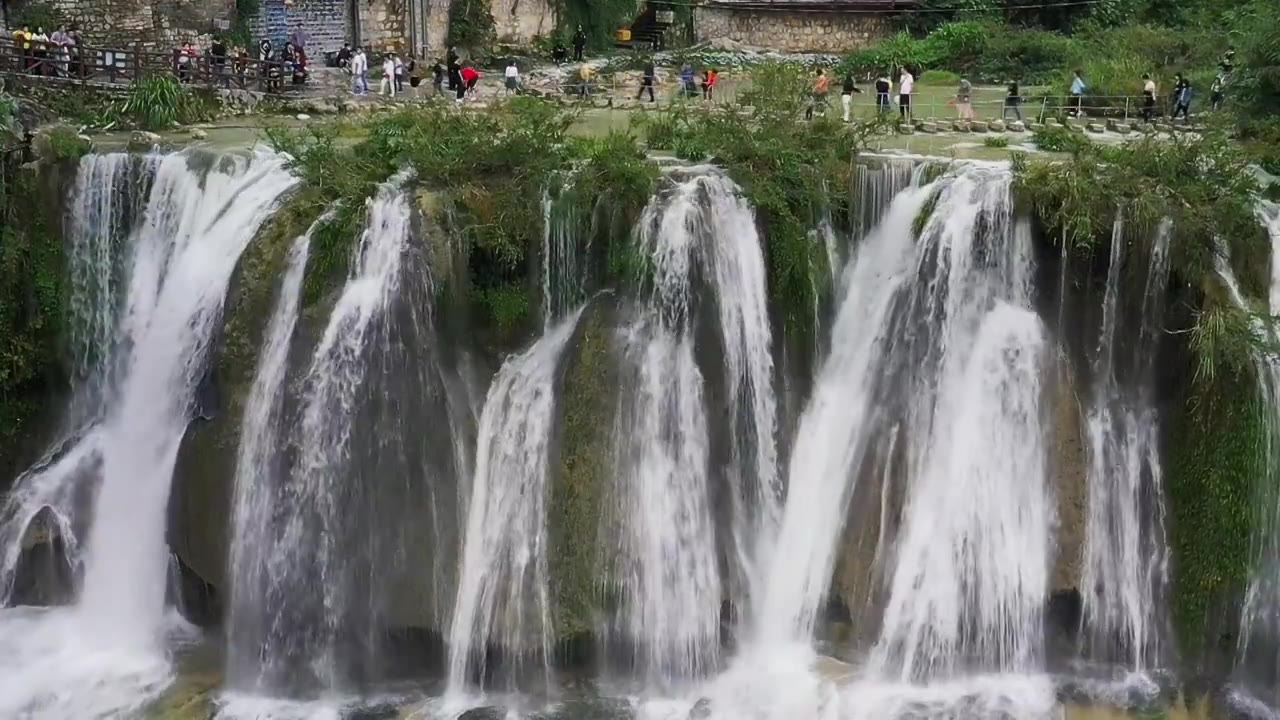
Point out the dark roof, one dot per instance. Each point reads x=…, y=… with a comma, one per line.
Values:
x=817, y=5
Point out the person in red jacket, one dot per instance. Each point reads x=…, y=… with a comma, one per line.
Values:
x=470, y=76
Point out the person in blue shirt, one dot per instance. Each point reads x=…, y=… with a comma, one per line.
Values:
x=1077, y=94
x=686, y=81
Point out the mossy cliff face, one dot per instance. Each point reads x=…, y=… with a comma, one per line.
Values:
x=588, y=404
x=1217, y=453
x=33, y=294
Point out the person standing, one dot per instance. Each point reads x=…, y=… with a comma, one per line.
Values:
x=579, y=44
x=437, y=76
x=388, y=84
x=964, y=99
x=455, y=79
x=821, y=86
x=1218, y=92
x=218, y=61
x=584, y=80
x=360, y=73
x=1182, y=98
x=511, y=76
x=1077, y=94
x=906, y=85
x=847, y=89
x=686, y=80
x=884, y=86
x=1012, y=103
x=401, y=73
x=343, y=60
x=646, y=81
x=1148, y=98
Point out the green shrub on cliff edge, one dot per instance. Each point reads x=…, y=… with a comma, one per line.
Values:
x=491, y=169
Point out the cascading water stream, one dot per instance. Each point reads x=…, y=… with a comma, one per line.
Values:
x=105, y=201
x=1258, y=650
x=502, y=599
x=258, y=475
x=1125, y=566
x=105, y=656
x=831, y=439
x=972, y=560
x=666, y=571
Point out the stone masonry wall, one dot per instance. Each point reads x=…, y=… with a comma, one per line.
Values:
x=154, y=23
x=791, y=31
x=520, y=21
x=323, y=21
x=384, y=24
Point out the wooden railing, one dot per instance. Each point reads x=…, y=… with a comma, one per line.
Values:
x=34, y=62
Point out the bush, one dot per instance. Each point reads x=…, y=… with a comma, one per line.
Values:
x=1032, y=57
x=158, y=102
x=939, y=77
x=996, y=141
x=37, y=14
x=471, y=24
x=1060, y=139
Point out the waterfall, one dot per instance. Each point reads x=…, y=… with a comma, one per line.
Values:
x=973, y=557
x=105, y=201
x=193, y=233
x=251, y=656
x=833, y=431
x=502, y=600
x=1125, y=564
x=562, y=279
x=696, y=229
x=1260, y=611
x=875, y=185
x=103, y=658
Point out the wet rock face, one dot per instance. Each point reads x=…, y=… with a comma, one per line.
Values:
x=1068, y=476
x=44, y=576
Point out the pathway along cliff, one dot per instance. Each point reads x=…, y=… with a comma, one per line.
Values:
x=644, y=506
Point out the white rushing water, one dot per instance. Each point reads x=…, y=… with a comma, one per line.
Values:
x=1257, y=658
x=106, y=656
x=667, y=569
x=1125, y=563
x=258, y=480
x=502, y=598
x=831, y=440
x=972, y=561
x=308, y=538
x=562, y=277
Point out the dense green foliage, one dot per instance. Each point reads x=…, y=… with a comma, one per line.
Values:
x=491, y=170
x=1217, y=454
x=791, y=175
x=32, y=275
x=157, y=102
x=471, y=23
x=599, y=19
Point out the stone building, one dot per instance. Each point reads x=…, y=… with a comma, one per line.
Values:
x=797, y=25
x=420, y=26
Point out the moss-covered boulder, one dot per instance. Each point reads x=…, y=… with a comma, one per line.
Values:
x=580, y=475
x=191, y=697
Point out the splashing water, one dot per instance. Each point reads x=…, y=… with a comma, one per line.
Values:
x=502, y=598
x=106, y=656
x=1125, y=566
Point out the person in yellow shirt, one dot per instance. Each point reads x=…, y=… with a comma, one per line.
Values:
x=22, y=41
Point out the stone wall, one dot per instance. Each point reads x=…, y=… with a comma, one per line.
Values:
x=791, y=31
x=323, y=21
x=384, y=24
x=107, y=23
x=520, y=21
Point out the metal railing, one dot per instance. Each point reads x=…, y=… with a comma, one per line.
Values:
x=32, y=62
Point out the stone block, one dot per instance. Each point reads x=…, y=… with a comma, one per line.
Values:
x=996, y=126
x=1094, y=127
x=1017, y=126
x=978, y=126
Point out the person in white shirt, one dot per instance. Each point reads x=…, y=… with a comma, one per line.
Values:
x=906, y=84
x=388, y=86
x=512, y=84
x=1148, y=98
x=360, y=73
